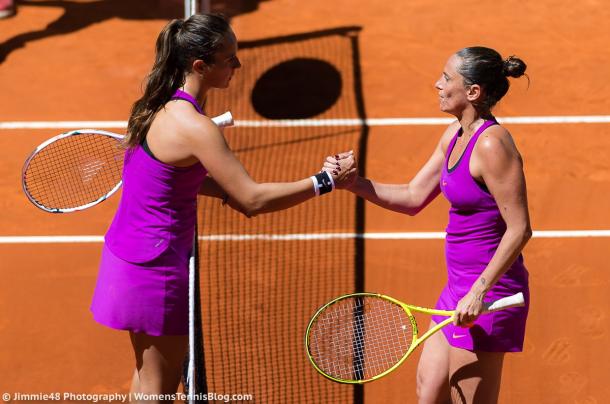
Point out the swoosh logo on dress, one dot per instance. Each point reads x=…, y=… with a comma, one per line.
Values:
x=456, y=336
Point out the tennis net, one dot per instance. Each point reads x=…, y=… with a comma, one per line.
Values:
x=262, y=278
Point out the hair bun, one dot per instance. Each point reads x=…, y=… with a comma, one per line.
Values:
x=513, y=67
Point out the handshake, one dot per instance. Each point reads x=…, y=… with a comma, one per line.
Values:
x=343, y=169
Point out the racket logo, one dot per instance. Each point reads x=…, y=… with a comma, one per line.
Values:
x=90, y=169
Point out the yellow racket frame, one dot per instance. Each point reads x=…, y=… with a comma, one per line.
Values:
x=416, y=341
x=516, y=300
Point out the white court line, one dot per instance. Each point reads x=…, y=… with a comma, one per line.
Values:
x=301, y=237
x=523, y=120
x=64, y=125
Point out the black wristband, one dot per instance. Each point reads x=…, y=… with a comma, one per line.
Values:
x=325, y=183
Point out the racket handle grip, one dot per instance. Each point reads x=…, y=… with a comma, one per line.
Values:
x=223, y=120
x=515, y=300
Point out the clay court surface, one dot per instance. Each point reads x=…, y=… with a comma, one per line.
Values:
x=88, y=66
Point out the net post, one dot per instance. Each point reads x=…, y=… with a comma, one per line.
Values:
x=190, y=7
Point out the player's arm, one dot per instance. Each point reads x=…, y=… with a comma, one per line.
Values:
x=412, y=197
x=210, y=187
x=499, y=165
x=209, y=146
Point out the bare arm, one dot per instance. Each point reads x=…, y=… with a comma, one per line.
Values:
x=498, y=163
x=412, y=197
x=209, y=146
x=210, y=187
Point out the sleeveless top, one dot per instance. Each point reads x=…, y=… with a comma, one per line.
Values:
x=475, y=226
x=158, y=205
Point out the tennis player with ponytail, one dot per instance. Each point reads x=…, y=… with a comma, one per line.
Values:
x=175, y=152
x=477, y=167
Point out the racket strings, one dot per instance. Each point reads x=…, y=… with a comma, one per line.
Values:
x=358, y=338
x=75, y=170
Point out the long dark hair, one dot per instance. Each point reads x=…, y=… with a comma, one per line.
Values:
x=178, y=45
x=485, y=67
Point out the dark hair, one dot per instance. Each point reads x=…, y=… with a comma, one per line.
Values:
x=178, y=45
x=485, y=67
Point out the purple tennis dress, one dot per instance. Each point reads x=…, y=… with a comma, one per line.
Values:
x=142, y=285
x=473, y=234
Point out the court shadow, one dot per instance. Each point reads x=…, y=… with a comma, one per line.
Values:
x=303, y=87
x=299, y=88
x=471, y=371
x=233, y=8
x=80, y=15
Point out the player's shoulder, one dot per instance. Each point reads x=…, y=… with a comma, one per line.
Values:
x=496, y=138
x=202, y=124
x=194, y=127
x=496, y=145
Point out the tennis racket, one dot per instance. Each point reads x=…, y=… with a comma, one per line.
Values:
x=361, y=337
x=78, y=169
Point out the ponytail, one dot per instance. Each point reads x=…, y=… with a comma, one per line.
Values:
x=165, y=77
x=178, y=45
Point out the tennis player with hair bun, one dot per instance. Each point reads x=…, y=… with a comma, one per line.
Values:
x=175, y=152
x=477, y=167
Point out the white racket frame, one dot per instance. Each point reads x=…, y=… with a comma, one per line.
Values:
x=222, y=120
x=46, y=144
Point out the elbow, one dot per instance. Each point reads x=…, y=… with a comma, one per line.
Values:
x=253, y=204
x=246, y=209
x=251, y=211
x=401, y=207
x=250, y=208
x=414, y=204
x=525, y=234
x=413, y=211
x=519, y=234
x=410, y=210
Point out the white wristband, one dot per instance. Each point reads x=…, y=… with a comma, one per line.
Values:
x=331, y=181
x=316, y=187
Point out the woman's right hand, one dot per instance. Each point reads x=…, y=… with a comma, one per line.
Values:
x=343, y=168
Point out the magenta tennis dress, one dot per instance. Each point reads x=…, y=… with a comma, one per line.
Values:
x=473, y=235
x=142, y=285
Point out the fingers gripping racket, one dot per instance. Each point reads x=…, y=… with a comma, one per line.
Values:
x=361, y=337
x=78, y=169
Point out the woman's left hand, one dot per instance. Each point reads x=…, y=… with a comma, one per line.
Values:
x=468, y=309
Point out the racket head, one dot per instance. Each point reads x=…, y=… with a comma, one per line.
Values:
x=74, y=170
x=360, y=337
